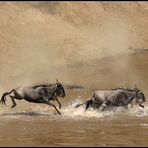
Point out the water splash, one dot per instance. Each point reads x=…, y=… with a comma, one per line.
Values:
x=80, y=114
x=138, y=111
x=70, y=112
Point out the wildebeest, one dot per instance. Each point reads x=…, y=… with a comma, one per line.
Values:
x=42, y=93
x=103, y=100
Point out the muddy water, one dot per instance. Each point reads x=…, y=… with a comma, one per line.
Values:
x=39, y=125
x=30, y=124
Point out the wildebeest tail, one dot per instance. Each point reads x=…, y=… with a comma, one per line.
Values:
x=3, y=98
x=81, y=104
x=88, y=103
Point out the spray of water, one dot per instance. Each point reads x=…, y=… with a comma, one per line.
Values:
x=69, y=112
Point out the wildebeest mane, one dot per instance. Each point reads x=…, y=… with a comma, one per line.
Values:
x=126, y=89
x=42, y=84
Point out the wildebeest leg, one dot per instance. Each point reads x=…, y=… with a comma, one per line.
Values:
x=59, y=103
x=88, y=104
x=104, y=106
x=126, y=107
x=45, y=100
x=53, y=106
x=13, y=102
x=141, y=105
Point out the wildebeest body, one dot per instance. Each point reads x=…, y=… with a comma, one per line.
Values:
x=114, y=98
x=36, y=94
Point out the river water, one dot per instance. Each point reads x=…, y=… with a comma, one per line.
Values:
x=31, y=124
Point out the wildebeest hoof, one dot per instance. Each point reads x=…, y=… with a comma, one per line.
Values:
x=77, y=106
x=141, y=105
x=59, y=113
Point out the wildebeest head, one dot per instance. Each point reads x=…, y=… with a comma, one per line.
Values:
x=139, y=95
x=60, y=89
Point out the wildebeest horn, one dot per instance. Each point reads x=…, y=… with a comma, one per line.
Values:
x=137, y=90
x=135, y=87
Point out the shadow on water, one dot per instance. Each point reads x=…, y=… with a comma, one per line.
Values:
x=25, y=114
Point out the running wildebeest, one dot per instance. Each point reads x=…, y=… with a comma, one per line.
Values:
x=114, y=98
x=42, y=93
